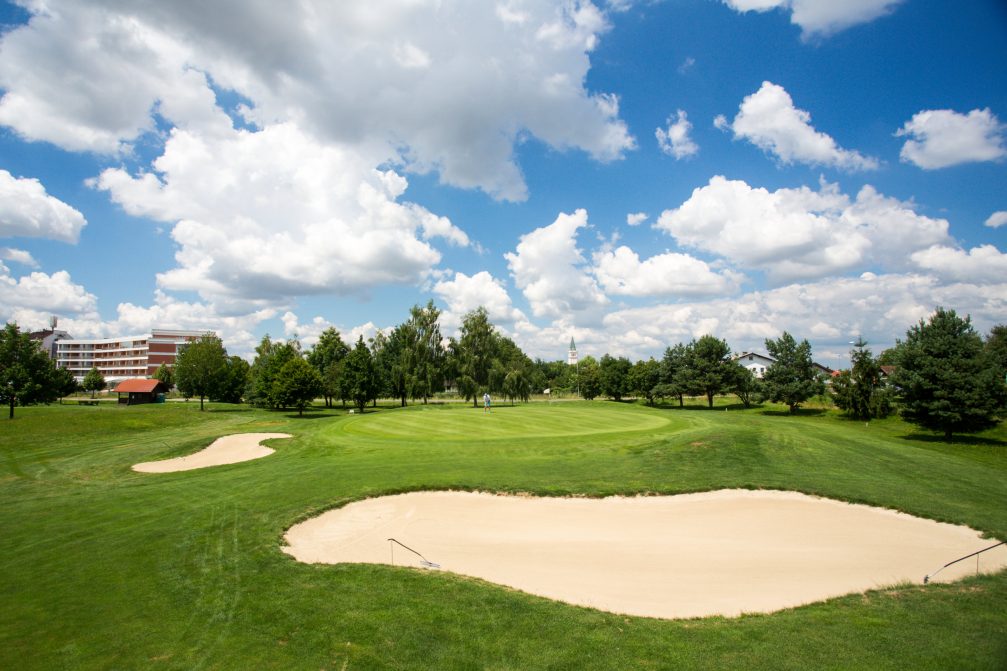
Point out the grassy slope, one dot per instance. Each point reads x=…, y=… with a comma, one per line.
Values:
x=102, y=568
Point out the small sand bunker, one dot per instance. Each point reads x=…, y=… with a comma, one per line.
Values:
x=225, y=450
x=716, y=553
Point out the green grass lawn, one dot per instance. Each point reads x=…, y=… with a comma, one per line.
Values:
x=104, y=568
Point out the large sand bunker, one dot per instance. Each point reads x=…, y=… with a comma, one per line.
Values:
x=225, y=450
x=724, y=552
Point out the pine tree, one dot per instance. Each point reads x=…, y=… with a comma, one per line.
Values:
x=792, y=378
x=860, y=391
x=946, y=379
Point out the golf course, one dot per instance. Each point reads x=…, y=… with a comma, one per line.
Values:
x=104, y=567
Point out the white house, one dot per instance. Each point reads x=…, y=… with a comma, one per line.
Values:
x=755, y=362
x=758, y=363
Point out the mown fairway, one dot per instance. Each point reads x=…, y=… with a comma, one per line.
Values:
x=104, y=568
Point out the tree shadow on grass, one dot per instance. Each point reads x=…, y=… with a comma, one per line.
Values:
x=955, y=440
x=800, y=412
x=673, y=405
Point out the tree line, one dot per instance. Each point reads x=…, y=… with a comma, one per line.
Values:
x=410, y=362
x=706, y=368
x=944, y=376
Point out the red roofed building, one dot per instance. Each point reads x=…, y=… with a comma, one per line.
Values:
x=137, y=391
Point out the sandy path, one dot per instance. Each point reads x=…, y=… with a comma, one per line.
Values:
x=724, y=552
x=225, y=450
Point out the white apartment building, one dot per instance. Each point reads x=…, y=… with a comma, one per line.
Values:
x=124, y=357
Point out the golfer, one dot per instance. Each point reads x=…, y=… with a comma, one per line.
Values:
x=486, y=402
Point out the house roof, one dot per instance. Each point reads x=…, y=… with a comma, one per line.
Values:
x=746, y=355
x=138, y=385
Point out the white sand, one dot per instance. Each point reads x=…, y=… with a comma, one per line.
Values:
x=723, y=552
x=225, y=450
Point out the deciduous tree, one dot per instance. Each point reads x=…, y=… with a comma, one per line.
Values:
x=63, y=383
x=360, y=379
x=93, y=381
x=588, y=378
x=711, y=370
x=25, y=370
x=297, y=385
x=746, y=386
x=233, y=381
x=475, y=353
x=517, y=386
x=200, y=367
x=644, y=377
x=165, y=375
x=327, y=354
x=613, y=375
x=427, y=361
x=270, y=358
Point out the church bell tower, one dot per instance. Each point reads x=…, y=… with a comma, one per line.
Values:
x=571, y=357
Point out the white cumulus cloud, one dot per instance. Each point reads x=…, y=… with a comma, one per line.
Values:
x=828, y=312
x=983, y=265
x=552, y=272
x=800, y=233
x=821, y=17
x=30, y=299
x=393, y=78
x=26, y=210
x=769, y=120
x=464, y=293
x=21, y=256
x=674, y=140
x=636, y=218
x=997, y=219
x=621, y=272
x=274, y=215
x=942, y=138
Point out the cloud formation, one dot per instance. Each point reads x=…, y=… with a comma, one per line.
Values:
x=981, y=265
x=800, y=233
x=552, y=272
x=464, y=293
x=32, y=298
x=393, y=78
x=26, y=210
x=263, y=216
x=621, y=272
x=769, y=120
x=821, y=17
x=943, y=138
x=674, y=140
x=829, y=312
x=997, y=219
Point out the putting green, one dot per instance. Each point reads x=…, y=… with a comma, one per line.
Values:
x=536, y=420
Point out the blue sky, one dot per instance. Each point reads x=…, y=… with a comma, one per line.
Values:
x=632, y=174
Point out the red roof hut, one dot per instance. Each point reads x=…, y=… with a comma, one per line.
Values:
x=139, y=390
